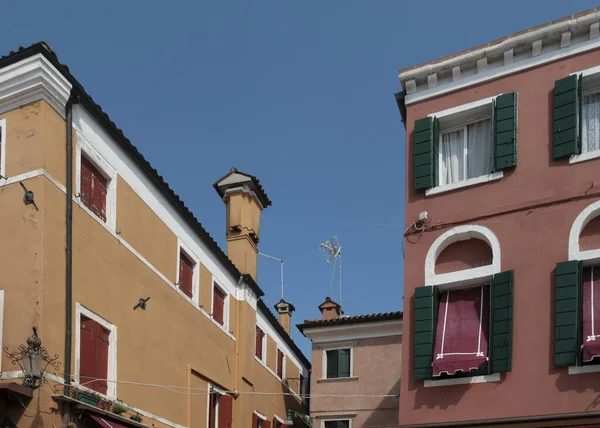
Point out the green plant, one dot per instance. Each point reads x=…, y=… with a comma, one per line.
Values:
x=118, y=408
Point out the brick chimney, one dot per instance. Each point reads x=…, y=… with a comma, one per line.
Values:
x=245, y=199
x=285, y=309
x=330, y=310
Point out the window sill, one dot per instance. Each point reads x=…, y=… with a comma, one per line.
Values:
x=465, y=183
x=584, y=156
x=575, y=370
x=338, y=379
x=463, y=380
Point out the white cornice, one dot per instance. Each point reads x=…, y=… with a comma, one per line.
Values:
x=338, y=333
x=33, y=79
x=513, y=54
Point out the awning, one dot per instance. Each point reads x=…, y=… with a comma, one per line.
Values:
x=107, y=423
x=13, y=392
x=591, y=313
x=461, y=338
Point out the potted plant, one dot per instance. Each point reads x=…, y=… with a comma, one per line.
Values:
x=118, y=408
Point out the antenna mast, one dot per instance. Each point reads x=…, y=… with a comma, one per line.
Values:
x=281, y=268
x=334, y=254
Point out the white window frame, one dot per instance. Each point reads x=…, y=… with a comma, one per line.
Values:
x=324, y=359
x=219, y=393
x=85, y=149
x=336, y=419
x=262, y=417
x=195, y=274
x=112, y=349
x=593, y=72
x=263, y=360
x=283, y=371
x=217, y=283
x=280, y=420
x=458, y=111
x=3, y=148
x=462, y=279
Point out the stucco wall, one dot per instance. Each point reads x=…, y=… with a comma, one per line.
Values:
x=532, y=241
x=376, y=366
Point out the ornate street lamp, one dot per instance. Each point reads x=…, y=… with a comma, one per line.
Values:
x=308, y=420
x=33, y=360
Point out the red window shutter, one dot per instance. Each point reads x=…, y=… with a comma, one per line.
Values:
x=591, y=313
x=212, y=403
x=254, y=420
x=99, y=196
x=101, y=358
x=279, y=363
x=225, y=411
x=87, y=352
x=218, y=305
x=186, y=274
x=259, y=342
x=85, y=191
x=266, y=424
x=93, y=189
x=461, y=339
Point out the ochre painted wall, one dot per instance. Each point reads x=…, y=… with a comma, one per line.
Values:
x=532, y=241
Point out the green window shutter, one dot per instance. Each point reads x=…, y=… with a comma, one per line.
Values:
x=567, y=313
x=501, y=322
x=425, y=313
x=344, y=362
x=332, y=364
x=505, y=131
x=425, y=153
x=567, y=108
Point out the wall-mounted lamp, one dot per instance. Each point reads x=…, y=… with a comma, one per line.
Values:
x=308, y=420
x=141, y=304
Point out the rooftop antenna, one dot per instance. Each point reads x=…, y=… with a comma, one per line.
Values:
x=281, y=268
x=334, y=254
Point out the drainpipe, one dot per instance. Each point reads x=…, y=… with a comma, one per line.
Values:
x=69, y=244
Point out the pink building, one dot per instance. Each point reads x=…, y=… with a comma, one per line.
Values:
x=502, y=267
x=356, y=368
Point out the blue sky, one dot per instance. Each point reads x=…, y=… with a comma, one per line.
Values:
x=299, y=94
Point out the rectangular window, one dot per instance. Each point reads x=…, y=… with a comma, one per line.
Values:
x=260, y=337
x=591, y=315
x=186, y=274
x=259, y=422
x=338, y=363
x=213, y=408
x=338, y=424
x=276, y=423
x=220, y=409
x=461, y=339
x=465, y=152
x=280, y=363
x=219, y=305
x=93, y=189
x=590, y=123
x=93, y=355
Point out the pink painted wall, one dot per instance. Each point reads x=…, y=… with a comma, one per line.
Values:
x=532, y=241
x=376, y=371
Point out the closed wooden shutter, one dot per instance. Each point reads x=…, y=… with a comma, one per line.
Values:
x=225, y=411
x=501, y=322
x=505, y=131
x=567, y=117
x=212, y=407
x=266, y=424
x=87, y=352
x=186, y=274
x=425, y=149
x=254, y=420
x=567, y=313
x=279, y=363
x=102, y=343
x=218, y=305
x=425, y=315
x=93, y=189
x=332, y=364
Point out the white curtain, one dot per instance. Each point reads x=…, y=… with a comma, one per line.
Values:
x=591, y=123
x=452, y=154
x=479, y=149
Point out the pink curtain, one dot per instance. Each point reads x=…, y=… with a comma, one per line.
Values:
x=461, y=339
x=591, y=313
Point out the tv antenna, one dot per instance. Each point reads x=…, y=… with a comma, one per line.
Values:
x=334, y=255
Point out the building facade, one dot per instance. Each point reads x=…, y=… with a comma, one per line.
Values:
x=152, y=323
x=356, y=361
x=502, y=243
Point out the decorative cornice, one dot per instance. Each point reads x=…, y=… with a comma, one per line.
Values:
x=353, y=331
x=33, y=79
x=530, y=48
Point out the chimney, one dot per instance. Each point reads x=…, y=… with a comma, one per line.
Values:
x=285, y=310
x=330, y=310
x=245, y=199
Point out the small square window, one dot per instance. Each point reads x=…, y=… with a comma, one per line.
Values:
x=337, y=424
x=338, y=363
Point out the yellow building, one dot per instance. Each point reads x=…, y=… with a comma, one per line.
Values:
x=90, y=232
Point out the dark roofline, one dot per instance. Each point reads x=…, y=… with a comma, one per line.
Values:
x=358, y=319
x=262, y=195
x=117, y=134
x=286, y=337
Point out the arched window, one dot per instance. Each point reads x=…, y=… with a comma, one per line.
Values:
x=463, y=314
